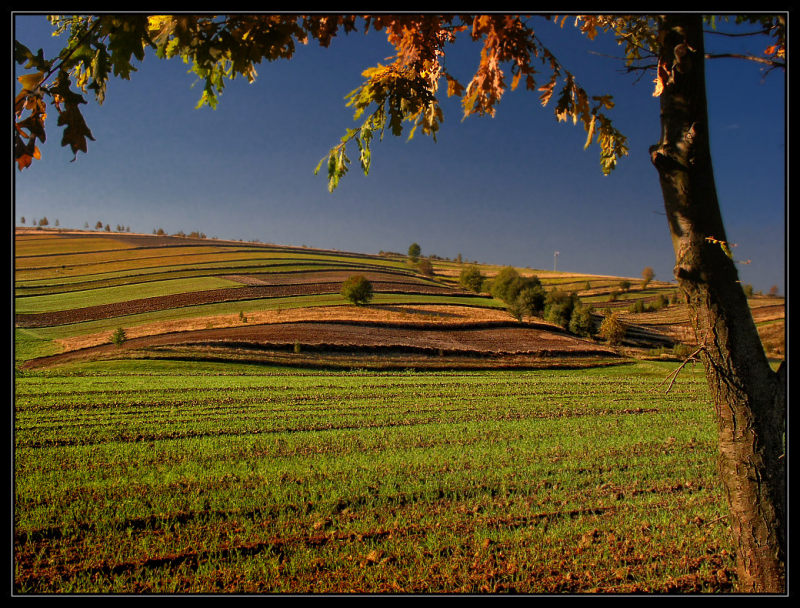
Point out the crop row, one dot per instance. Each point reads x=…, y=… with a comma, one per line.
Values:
x=114, y=267
x=360, y=481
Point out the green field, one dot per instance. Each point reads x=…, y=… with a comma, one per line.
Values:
x=167, y=473
x=167, y=477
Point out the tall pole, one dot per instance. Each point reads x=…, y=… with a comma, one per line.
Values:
x=555, y=261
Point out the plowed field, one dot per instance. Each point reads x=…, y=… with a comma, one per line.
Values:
x=261, y=286
x=485, y=339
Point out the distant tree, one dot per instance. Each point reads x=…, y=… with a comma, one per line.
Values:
x=414, y=251
x=507, y=284
x=108, y=228
x=581, y=321
x=612, y=330
x=43, y=221
x=531, y=299
x=459, y=259
x=86, y=225
x=647, y=276
x=471, y=278
x=748, y=290
x=98, y=225
x=160, y=232
x=425, y=267
x=625, y=285
x=558, y=307
x=358, y=290
x=773, y=291
x=119, y=336
x=57, y=223
x=22, y=219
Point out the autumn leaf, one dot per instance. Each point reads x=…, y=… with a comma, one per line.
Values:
x=29, y=82
x=591, y=132
x=662, y=77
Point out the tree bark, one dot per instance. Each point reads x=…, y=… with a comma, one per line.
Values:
x=749, y=397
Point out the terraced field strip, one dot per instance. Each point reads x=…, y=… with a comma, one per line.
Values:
x=119, y=294
x=196, y=298
x=47, y=243
x=113, y=266
x=51, y=286
x=157, y=477
x=247, y=307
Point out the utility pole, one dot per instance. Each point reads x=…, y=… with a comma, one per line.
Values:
x=555, y=261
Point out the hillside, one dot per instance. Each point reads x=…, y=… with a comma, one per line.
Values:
x=202, y=299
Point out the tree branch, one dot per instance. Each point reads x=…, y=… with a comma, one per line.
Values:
x=764, y=60
x=738, y=35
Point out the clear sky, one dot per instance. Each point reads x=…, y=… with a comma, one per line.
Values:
x=512, y=189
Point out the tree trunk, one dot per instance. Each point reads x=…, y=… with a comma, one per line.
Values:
x=749, y=398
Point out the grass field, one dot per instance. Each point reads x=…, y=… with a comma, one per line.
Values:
x=176, y=477
x=181, y=466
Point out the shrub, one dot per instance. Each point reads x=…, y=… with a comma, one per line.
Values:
x=558, y=307
x=515, y=309
x=471, y=278
x=682, y=351
x=637, y=306
x=625, y=285
x=425, y=267
x=508, y=284
x=612, y=329
x=118, y=337
x=581, y=322
x=358, y=290
x=531, y=300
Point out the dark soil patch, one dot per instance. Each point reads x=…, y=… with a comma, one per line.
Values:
x=486, y=340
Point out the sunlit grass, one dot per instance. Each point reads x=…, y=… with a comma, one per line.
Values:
x=200, y=477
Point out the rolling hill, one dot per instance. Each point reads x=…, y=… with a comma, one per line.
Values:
x=200, y=299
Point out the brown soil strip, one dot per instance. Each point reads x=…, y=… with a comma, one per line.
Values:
x=470, y=339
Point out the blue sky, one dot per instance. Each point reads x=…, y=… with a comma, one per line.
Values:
x=512, y=189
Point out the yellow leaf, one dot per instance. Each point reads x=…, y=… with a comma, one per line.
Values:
x=31, y=81
x=156, y=22
x=591, y=132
